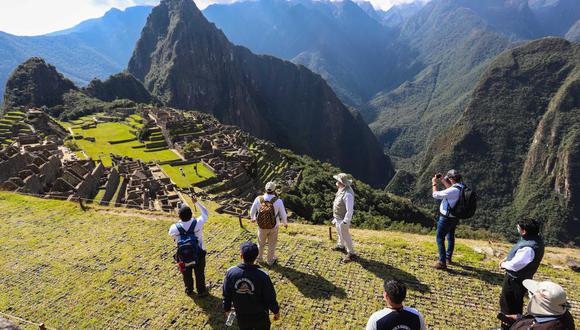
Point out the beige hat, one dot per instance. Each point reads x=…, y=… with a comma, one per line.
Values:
x=548, y=298
x=270, y=186
x=343, y=178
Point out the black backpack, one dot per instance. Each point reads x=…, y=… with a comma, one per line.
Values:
x=187, y=245
x=466, y=205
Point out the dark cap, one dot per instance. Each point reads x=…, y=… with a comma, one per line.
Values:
x=185, y=213
x=249, y=251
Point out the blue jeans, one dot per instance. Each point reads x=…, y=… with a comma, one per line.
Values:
x=446, y=228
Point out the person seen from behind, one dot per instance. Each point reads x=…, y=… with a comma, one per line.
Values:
x=548, y=308
x=268, y=211
x=396, y=316
x=191, y=251
x=251, y=292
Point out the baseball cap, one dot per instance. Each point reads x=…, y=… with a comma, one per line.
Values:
x=185, y=213
x=270, y=186
x=548, y=298
x=249, y=251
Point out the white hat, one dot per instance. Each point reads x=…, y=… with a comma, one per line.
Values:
x=343, y=178
x=270, y=186
x=548, y=298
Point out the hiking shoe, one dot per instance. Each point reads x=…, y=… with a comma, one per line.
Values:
x=189, y=292
x=449, y=262
x=349, y=258
x=275, y=261
x=440, y=265
x=204, y=293
x=339, y=249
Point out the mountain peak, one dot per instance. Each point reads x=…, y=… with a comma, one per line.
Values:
x=188, y=63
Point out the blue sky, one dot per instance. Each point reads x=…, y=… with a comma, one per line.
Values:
x=34, y=17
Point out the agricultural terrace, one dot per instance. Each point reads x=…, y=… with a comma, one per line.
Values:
x=112, y=268
x=120, y=138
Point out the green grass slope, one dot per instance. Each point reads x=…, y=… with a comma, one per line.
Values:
x=112, y=268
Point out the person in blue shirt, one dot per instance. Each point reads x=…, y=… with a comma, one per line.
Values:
x=251, y=292
x=447, y=222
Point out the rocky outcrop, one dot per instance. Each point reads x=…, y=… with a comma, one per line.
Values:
x=35, y=83
x=188, y=63
x=518, y=141
x=119, y=86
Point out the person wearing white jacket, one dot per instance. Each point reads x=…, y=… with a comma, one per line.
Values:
x=342, y=211
x=269, y=237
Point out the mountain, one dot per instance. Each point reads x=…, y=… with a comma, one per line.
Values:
x=119, y=86
x=190, y=64
x=518, y=141
x=342, y=41
x=35, y=83
x=455, y=40
x=95, y=48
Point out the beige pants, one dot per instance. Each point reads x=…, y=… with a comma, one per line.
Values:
x=344, y=239
x=267, y=237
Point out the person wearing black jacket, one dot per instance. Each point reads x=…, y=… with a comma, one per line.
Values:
x=251, y=291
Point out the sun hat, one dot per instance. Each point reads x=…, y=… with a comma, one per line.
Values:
x=270, y=186
x=547, y=298
x=343, y=178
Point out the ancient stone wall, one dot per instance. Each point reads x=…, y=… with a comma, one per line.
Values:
x=111, y=186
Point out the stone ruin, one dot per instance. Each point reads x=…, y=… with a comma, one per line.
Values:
x=224, y=150
x=144, y=186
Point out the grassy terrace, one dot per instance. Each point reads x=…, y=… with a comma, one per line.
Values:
x=190, y=176
x=112, y=268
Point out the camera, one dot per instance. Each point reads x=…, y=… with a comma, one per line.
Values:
x=438, y=175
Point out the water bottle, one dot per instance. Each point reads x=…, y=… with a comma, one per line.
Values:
x=231, y=318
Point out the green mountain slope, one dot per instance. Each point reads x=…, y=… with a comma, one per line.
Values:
x=517, y=141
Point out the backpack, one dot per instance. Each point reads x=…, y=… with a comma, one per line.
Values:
x=466, y=204
x=187, y=244
x=267, y=214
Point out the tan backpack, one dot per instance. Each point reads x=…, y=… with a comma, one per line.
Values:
x=267, y=213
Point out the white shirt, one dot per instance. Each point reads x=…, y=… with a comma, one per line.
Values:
x=372, y=322
x=522, y=258
x=449, y=198
x=173, y=231
x=278, y=208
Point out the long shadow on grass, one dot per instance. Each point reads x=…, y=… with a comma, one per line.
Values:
x=478, y=273
x=212, y=307
x=312, y=286
x=388, y=272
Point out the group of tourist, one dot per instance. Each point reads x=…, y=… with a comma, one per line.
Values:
x=248, y=289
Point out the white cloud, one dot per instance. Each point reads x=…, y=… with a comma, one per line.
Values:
x=34, y=17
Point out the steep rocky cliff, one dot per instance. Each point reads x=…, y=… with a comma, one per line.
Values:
x=188, y=63
x=36, y=83
x=518, y=142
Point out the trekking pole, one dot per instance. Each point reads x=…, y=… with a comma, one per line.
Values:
x=240, y=220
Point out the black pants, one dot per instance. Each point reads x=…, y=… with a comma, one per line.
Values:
x=511, y=300
x=254, y=322
x=199, y=270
